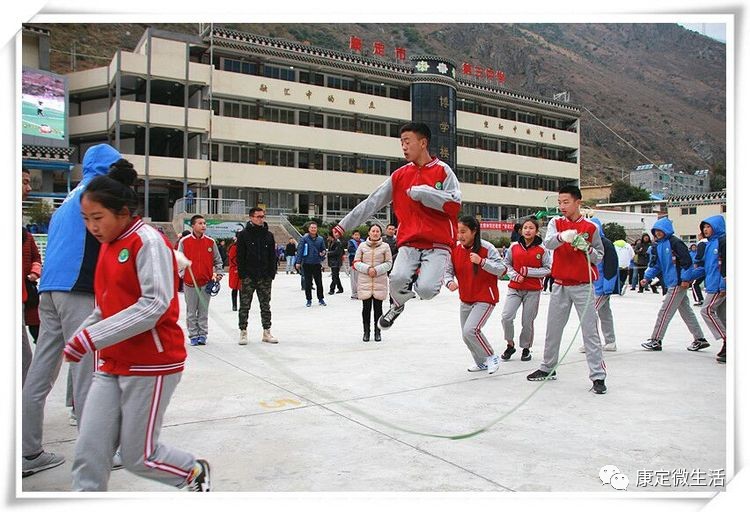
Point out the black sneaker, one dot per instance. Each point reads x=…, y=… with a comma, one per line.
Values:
x=698, y=344
x=200, y=477
x=541, y=375
x=509, y=351
x=654, y=345
x=599, y=388
x=386, y=321
x=526, y=355
x=721, y=357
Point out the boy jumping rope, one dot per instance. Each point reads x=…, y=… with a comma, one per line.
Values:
x=572, y=237
x=426, y=200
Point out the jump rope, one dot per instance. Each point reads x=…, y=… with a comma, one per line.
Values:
x=300, y=380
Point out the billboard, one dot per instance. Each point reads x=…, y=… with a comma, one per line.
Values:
x=44, y=108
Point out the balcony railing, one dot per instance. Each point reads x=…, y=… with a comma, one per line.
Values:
x=208, y=206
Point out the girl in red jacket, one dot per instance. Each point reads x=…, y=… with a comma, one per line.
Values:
x=234, y=276
x=141, y=349
x=528, y=264
x=476, y=264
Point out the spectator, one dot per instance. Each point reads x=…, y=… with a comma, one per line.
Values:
x=625, y=255
x=310, y=254
x=335, y=257
x=256, y=266
x=234, y=278
x=372, y=262
x=351, y=248
x=222, y=245
x=31, y=270
x=642, y=258
x=290, y=251
x=696, y=286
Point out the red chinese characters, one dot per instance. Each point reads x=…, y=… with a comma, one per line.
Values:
x=355, y=43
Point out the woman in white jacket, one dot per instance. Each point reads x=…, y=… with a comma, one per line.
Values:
x=372, y=262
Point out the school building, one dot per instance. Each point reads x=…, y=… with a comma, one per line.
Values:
x=230, y=120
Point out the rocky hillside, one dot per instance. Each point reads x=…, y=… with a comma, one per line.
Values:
x=660, y=87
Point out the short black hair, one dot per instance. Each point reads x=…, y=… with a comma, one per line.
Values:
x=572, y=190
x=389, y=225
x=195, y=218
x=418, y=128
x=255, y=209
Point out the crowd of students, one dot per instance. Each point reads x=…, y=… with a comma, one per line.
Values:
x=110, y=286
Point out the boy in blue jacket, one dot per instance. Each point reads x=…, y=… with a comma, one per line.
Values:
x=712, y=265
x=671, y=263
x=605, y=285
x=311, y=251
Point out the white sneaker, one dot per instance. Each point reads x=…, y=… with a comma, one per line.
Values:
x=492, y=363
x=243, y=337
x=268, y=337
x=45, y=460
x=117, y=461
x=72, y=419
x=477, y=368
x=610, y=347
x=582, y=349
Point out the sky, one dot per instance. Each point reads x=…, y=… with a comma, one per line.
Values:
x=713, y=30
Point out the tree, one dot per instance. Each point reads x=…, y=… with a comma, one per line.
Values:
x=718, y=177
x=625, y=192
x=614, y=231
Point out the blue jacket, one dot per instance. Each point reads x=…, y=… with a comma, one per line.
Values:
x=309, y=250
x=670, y=259
x=608, y=280
x=72, y=252
x=351, y=248
x=713, y=262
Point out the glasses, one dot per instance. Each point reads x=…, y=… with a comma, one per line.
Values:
x=259, y=216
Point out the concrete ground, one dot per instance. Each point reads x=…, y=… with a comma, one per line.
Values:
x=323, y=411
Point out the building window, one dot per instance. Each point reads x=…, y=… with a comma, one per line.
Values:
x=281, y=73
x=692, y=210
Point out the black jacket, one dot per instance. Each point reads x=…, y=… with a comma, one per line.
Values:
x=335, y=253
x=256, y=252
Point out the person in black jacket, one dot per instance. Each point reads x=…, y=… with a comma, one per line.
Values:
x=335, y=253
x=256, y=266
x=642, y=257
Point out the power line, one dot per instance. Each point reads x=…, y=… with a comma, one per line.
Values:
x=618, y=136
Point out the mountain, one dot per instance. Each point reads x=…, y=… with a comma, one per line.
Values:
x=660, y=87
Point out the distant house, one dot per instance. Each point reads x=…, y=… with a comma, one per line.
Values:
x=664, y=180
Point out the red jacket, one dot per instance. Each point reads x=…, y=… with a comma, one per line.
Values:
x=426, y=201
x=569, y=265
x=134, y=325
x=205, y=256
x=532, y=262
x=480, y=286
x=234, y=276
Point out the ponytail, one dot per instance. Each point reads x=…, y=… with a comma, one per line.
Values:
x=115, y=190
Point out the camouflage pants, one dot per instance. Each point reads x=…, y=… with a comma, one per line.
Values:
x=261, y=286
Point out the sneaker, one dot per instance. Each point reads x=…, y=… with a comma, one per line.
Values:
x=243, y=336
x=308, y=304
x=526, y=355
x=492, y=364
x=45, y=460
x=509, y=351
x=321, y=302
x=477, y=368
x=202, y=340
x=117, y=461
x=654, y=345
x=268, y=337
x=610, y=347
x=72, y=418
x=599, y=388
x=699, y=303
x=200, y=477
x=386, y=321
x=582, y=349
x=698, y=344
x=721, y=357
x=195, y=340
x=541, y=375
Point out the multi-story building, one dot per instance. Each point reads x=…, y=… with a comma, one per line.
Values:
x=303, y=129
x=663, y=180
x=687, y=212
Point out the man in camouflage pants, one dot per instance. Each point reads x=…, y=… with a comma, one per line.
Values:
x=256, y=266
